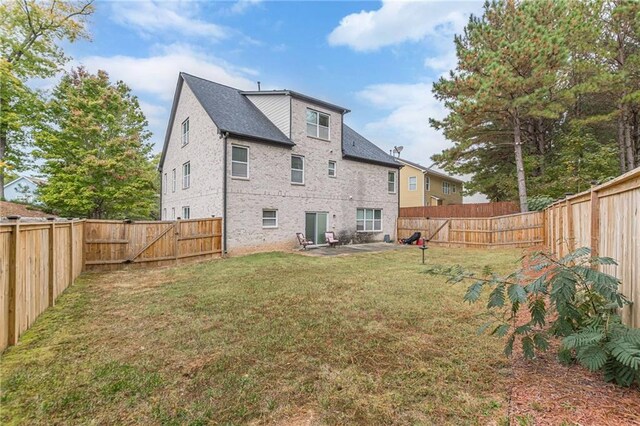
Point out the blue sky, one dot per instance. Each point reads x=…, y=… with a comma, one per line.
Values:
x=378, y=59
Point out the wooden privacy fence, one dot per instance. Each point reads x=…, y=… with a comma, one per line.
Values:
x=111, y=244
x=39, y=261
x=515, y=230
x=473, y=210
x=606, y=219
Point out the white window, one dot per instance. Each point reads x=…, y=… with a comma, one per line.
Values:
x=186, y=175
x=173, y=182
x=368, y=220
x=164, y=184
x=413, y=183
x=332, y=169
x=446, y=187
x=317, y=124
x=427, y=183
x=454, y=189
x=173, y=213
x=185, y=132
x=297, y=169
x=240, y=161
x=269, y=218
x=186, y=212
x=391, y=182
x=164, y=214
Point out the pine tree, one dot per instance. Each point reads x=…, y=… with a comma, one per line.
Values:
x=95, y=150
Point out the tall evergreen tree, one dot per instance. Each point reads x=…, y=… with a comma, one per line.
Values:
x=30, y=31
x=95, y=149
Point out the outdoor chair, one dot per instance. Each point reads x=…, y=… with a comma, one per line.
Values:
x=303, y=241
x=331, y=239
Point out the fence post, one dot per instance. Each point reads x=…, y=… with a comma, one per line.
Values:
x=14, y=249
x=570, y=231
x=595, y=223
x=52, y=263
x=176, y=235
x=71, y=262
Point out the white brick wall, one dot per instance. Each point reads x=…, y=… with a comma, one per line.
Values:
x=204, y=152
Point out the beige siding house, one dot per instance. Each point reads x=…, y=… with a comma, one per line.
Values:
x=273, y=163
x=420, y=186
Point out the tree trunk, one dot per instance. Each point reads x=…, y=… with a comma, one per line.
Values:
x=621, y=145
x=517, y=143
x=3, y=150
x=628, y=143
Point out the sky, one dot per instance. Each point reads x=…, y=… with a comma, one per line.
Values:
x=378, y=59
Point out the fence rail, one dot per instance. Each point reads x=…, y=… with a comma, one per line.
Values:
x=474, y=210
x=606, y=219
x=43, y=258
x=516, y=230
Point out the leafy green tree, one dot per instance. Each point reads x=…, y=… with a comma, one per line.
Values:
x=95, y=148
x=30, y=31
x=567, y=298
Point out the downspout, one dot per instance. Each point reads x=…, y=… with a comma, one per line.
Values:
x=224, y=195
x=161, y=189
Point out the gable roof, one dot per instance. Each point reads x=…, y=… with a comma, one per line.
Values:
x=35, y=181
x=428, y=170
x=229, y=110
x=357, y=147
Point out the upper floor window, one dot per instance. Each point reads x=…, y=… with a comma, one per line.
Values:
x=173, y=183
x=186, y=212
x=413, y=183
x=240, y=161
x=454, y=189
x=446, y=187
x=297, y=169
x=317, y=124
x=186, y=175
x=185, y=132
x=427, y=183
x=332, y=168
x=391, y=182
x=269, y=218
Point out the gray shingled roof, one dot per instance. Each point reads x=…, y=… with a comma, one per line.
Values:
x=234, y=113
x=357, y=147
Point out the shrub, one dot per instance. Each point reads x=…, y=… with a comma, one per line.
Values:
x=539, y=202
x=567, y=298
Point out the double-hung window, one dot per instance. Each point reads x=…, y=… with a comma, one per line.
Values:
x=413, y=183
x=317, y=124
x=297, y=169
x=173, y=213
x=427, y=183
x=269, y=218
x=186, y=175
x=446, y=187
x=391, y=182
x=369, y=220
x=332, y=168
x=239, y=161
x=186, y=212
x=173, y=182
x=185, y=132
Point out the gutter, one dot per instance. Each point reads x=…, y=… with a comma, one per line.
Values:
x=224, y=135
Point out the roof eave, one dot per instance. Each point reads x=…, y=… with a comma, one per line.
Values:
x=287, y=144
x=372, y=161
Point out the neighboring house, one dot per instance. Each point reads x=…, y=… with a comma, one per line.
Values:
x=292, y=165
x=421, y=186
x=22, y=189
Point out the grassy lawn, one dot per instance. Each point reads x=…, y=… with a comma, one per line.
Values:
x=267, y=338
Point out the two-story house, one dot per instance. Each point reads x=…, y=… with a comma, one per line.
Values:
x=421, y=186
x=272, y=164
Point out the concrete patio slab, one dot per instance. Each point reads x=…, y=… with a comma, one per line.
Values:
x=354, y=249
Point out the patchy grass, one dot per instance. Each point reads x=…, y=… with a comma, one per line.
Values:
x=267, y=338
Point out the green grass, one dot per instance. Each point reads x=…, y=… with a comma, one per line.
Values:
x=266, y=338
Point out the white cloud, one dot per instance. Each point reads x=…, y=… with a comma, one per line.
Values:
x=399, y=21
x=154, y=17
x=241, y=6
x=442, y=62
x=157, y=74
